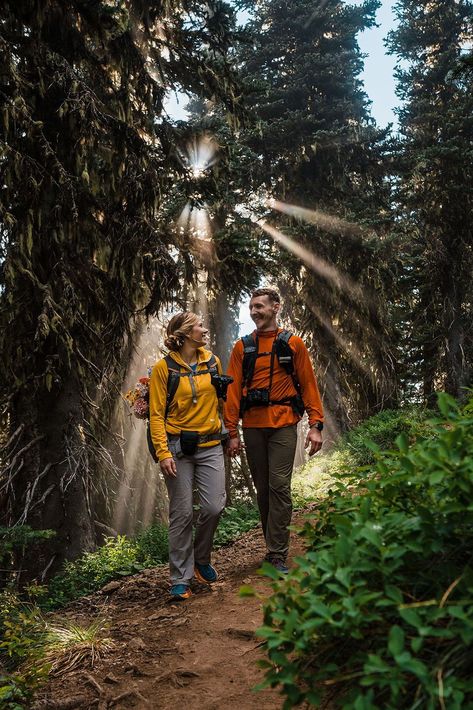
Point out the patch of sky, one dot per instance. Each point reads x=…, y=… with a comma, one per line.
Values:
x=378, y=74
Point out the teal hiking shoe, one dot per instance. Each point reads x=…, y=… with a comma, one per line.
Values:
x=205, y=574
x=180, y=592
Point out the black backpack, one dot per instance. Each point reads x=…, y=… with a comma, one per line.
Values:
x=282, y=350
x=175, y=373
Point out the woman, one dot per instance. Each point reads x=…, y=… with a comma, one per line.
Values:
x=186, y=431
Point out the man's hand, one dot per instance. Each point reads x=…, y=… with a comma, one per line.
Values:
x=314, y=438
x=233, y=447
x=168, y=467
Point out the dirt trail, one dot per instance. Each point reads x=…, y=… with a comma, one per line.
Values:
x=197, y=655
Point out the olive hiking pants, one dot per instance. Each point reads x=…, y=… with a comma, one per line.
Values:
x=270, y=454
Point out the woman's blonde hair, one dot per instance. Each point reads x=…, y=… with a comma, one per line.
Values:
x=178, y=328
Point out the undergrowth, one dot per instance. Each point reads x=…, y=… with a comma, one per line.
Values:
x=122, y=556
x=315, y=479
x=378, y=615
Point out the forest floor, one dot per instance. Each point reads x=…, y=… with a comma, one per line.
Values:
x=200, y=654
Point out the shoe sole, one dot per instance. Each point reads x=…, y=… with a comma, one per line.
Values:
x=181, y=597
x=201, y=579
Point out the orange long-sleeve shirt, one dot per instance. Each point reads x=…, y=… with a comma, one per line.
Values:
x=276, y=415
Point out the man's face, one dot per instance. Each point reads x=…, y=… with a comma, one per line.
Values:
x=263, y=312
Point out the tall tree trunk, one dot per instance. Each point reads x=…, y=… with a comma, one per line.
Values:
x=52, y=481
x=456, y=367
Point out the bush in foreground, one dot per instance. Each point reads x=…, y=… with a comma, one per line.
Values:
x=379, y=612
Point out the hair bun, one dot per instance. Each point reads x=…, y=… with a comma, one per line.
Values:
x=174, y=342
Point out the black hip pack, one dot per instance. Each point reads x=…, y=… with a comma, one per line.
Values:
x=189, y=441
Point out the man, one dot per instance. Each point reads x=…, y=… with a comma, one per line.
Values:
x=271, y=399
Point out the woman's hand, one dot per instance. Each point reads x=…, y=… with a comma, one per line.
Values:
x=168, y=467
x=233, y=447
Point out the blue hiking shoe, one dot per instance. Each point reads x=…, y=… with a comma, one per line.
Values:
x=205, y=574
x=180, y=592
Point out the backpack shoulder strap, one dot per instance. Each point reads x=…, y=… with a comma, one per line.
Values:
x=173, y=382
x=212, y=364
x=284, y=352
x=250, y=353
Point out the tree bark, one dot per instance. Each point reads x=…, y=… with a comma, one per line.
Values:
x=52, y=481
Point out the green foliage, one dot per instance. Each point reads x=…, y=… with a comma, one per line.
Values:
x=152, y=545
x=382, y=430
x=378, y=613
x=23, y=631
x=121, y=556
x=118, y=557
x=236, y=520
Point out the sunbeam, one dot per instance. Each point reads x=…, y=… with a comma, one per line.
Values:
x=350, y=350
x=315, y=263
x=322, y=220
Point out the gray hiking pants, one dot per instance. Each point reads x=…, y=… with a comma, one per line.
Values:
x=270, y=454
x=206, y=471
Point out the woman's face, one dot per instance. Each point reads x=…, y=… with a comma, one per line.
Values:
x=198, y=334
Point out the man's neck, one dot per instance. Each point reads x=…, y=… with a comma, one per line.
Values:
x=270, y=328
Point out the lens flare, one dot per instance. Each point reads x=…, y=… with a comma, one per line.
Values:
x=199, y=154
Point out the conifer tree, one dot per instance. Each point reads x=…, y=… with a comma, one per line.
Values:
x=435, y=191
x=318, y=148
x=87, y=157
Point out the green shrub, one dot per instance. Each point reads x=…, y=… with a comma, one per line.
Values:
x=152, y=546
x=236, y=520
x=117, y=557
x=121, y=556
x=22, y=630
x=379, y=612
x=383, y=429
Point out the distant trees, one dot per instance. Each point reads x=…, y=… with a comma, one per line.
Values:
x=434, y=192
x=318, y=148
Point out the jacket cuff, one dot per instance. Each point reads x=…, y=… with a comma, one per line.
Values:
x=165, y=455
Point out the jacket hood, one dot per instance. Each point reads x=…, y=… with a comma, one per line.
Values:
x=203, y=355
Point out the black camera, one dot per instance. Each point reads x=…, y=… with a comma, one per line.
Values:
x=221, y=382
x=257, y=398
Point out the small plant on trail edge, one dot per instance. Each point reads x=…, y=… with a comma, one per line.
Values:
x=69, y=645
x=378, y=615
x=32, y=648
x=236, y=520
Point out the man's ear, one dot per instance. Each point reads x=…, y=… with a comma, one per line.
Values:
x=276, y=307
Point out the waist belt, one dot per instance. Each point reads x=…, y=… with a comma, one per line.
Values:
x=203, y=438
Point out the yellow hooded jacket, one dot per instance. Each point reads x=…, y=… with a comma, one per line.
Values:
x=189, y=410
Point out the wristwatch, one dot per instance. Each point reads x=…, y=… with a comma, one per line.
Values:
x=317, y=425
